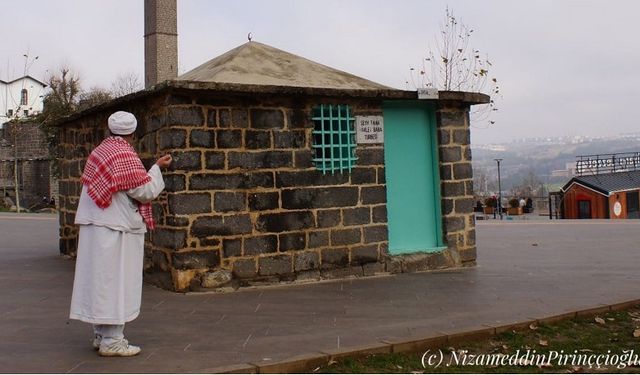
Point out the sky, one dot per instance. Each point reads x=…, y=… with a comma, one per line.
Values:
x=565, y=67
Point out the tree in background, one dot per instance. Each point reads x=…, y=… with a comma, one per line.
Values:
x=126, y=84
x=455, y=66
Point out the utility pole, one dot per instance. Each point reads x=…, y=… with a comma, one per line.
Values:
x=499, y=189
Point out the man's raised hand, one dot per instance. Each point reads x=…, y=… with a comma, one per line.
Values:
x=164, y=161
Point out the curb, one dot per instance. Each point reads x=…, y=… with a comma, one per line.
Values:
x=310, y=361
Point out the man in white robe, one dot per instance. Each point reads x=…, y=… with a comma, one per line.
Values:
x=113, y=215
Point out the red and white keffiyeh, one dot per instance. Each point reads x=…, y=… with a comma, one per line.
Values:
x=114, y=166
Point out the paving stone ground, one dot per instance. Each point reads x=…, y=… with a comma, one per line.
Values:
x=526, y=269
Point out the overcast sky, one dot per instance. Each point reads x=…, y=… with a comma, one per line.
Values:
x=565, y=67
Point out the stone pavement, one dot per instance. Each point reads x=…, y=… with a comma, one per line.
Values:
x=526, y=270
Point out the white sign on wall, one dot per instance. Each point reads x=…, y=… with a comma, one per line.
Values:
x=369, y=129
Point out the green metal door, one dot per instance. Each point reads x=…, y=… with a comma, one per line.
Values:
x=413, y=193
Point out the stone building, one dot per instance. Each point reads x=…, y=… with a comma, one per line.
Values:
x=271, y=181
x=25, y=141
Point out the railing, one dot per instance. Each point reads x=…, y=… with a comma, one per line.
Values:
x=607, y=163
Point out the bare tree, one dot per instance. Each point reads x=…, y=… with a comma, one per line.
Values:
x=93, y=97
x=125, y=84
x=455, y=66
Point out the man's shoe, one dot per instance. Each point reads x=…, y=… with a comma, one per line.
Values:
x=119, y=348
x=97, y=339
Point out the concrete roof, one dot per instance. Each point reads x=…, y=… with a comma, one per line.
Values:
x=255, y=63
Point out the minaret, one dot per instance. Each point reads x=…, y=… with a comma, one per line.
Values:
x=160, y=41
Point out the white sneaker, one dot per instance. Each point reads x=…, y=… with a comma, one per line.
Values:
x=119, y=348
x=97, y=339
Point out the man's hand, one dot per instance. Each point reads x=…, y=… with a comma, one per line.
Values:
x=164, y=161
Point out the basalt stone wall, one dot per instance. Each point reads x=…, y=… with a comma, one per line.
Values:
x=244, y=204
x=456, y=177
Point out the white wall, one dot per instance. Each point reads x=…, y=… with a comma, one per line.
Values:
x=10, y=95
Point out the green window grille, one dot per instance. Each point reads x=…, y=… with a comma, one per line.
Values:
x=334, y=138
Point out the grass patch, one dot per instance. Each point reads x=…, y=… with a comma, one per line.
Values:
x=612, y=333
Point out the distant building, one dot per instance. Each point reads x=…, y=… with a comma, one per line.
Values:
x=608, y=188
x=20, y=98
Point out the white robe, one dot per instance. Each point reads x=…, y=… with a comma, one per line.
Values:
x=107, y=287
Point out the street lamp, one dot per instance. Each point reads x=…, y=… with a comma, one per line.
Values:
x=499, y=189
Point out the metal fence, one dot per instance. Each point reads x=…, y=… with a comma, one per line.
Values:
x=607, y=163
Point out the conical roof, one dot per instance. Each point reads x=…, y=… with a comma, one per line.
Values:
x=255, y=63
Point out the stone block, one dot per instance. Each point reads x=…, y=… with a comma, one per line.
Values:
x=379, y=214
x=169, y=238
x=224, y=117
x=310, y=275
x=303, y=159
x=189, y=203
x=155, y=122
x=285, y=221
x=464, y=205
x=187, y=116
x=229, y=139
x=371, y=269
x=468, y=255
x=304, y=261
x=195, y=259
x=256, y=245
x=439, y=261
x=214, y=160
x=356, y=216
x=229, y=201
x=290, y=139
x=373, y=195
x=447, y=206
x=453, y=189
x=444, y=137
x=212, y=118
x=257, y=139
x=221, y=226
x=216, y=279
x=466, y=153
x=446, y=172
x=446, y=118
x=370, y=156
x=260, y=159
x=292, y=241
x=239, y=118
x=275, y=265
x=453, y=224
x=175, y=221
x=264, y=201
x=462, y=136
x=334, y=257
x=159, y=260
x=174, y=182
x=231, y=181
x=375, y=233
x=202, y=138
x=450, y=154
x=174, y=99
x=382, y=176
x=318, y=239
x=172, y=138
x=309, y=178
x=267, y=118
x=364, y=254
x=363, y=176
x=319, y=197
x=244, y=268
x=328, y=218
x=462, y=171
x=471, y=238
x=345, y=236
x=186, y=161
x=209, y=242
x=231, y=247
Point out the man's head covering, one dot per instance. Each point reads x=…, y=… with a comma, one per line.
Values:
x=122, y=123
